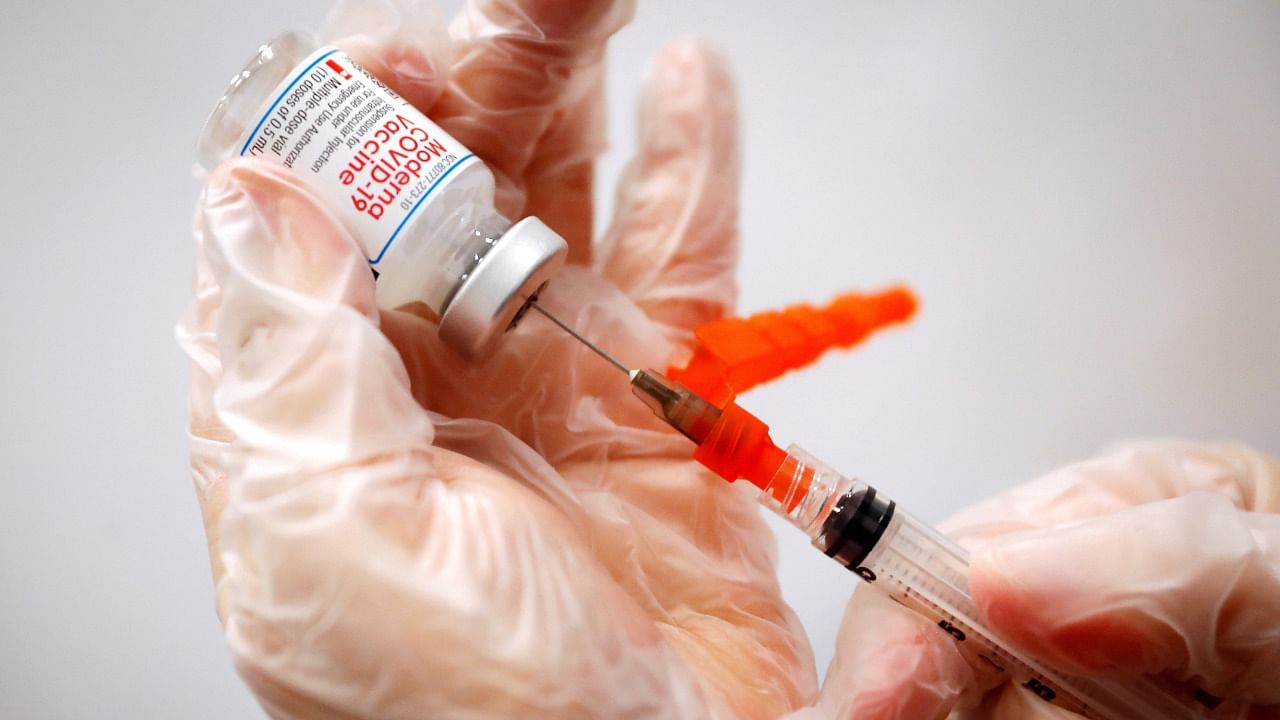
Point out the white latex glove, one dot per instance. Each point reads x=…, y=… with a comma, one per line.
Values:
x=397, y=534
x=1158, y=559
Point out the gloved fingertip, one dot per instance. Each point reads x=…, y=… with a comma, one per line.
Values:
x=234, y=178
x=267, y=226
x=244, y=180
x=685, y=55
x=689, y=86
x=408, y=69
x=672, y=245
x=569, y=23
x=1027, y=587
x=404, y=43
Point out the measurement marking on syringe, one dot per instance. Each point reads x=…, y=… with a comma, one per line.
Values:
x=963, y=632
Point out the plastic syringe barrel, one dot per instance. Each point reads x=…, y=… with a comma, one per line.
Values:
x=866, y=532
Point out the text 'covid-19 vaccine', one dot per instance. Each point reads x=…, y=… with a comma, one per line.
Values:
x=419, y=203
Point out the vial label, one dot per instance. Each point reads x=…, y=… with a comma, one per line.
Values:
x=371, y=155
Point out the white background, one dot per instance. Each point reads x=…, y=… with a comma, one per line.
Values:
x=1085, y=195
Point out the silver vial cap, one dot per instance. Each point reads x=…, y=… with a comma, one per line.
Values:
x=523, y=259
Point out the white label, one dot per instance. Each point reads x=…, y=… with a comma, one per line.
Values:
x=373, y=157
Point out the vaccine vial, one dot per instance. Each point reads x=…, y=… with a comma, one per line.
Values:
x=419, y=203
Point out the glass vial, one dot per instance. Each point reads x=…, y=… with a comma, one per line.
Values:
x=419, y=203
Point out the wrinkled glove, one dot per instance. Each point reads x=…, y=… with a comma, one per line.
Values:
x=396, y=533
x=1161, y=559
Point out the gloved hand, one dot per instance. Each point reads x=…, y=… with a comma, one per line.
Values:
x=1157, y=558
x=396, y=533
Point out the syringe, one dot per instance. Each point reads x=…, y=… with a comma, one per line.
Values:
x=865, y=531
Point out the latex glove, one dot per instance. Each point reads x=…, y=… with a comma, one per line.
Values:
x=550, y=551
x=1158, y=559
